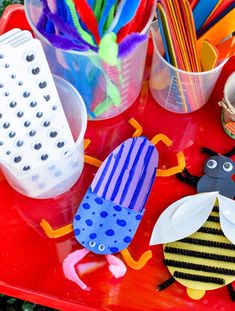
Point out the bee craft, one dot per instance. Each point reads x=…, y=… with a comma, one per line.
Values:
x=113, y=206
x=198, y=231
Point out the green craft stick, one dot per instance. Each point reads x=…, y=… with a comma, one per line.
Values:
x=98, y=9
x=88, y=38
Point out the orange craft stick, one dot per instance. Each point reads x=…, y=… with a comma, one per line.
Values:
x=226, y=48
x=223, y=28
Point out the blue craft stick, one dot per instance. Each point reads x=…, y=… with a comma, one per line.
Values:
x=167, y=55
x=108, y=6
x=125, y=13
x=214, y=21
x=202, y=11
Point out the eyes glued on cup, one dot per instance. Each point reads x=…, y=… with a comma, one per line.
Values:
x=54, y=176
x=107, y=89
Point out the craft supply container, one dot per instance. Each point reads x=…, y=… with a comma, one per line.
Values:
x=107, y=90
x=178, y=90
x=56, y=177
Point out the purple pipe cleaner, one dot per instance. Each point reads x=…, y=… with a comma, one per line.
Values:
x=69, y=30
x=129, y=44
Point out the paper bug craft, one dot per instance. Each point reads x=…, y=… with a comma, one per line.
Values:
x=198, y=231
x=113, y=206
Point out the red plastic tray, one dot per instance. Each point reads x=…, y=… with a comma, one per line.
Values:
x=31, y=263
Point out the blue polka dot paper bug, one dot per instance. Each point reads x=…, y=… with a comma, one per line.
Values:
x=114, y=204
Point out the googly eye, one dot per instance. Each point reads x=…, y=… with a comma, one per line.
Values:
x=227, y=166
x=92, y=244
x=101, y=247
x=211, y=164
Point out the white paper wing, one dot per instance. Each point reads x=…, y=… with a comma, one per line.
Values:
x=183, y=218
x=227, y=217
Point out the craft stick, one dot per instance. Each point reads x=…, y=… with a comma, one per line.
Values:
x=209, y=56
x=218, y=10
x=223, y=28
x=202, y=11
x=226, y=48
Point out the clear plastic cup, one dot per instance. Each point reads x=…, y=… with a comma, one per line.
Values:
x=177, y=90
x=56, y=177
x=107, y=90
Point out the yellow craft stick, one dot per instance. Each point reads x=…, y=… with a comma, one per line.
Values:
x=209, y=56
x=223, y=28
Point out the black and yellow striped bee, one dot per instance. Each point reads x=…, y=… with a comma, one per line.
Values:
x=198, y=231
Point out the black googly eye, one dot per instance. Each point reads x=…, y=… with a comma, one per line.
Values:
x=20, y=114
x=44, y=157
x=37, y=146
x=13, y=76
x=17, y=159
x=7, y=65
x=53, y=134
x=6, y=94
x=39, y=114
x=13, y=104
x=30, y=58
x=32, y=133
x=1, y=85
x=60, y=144
x=92, y=244
x=2, y=56
x=0, y=115
x=54, y=108
x=33, y=104
x=42, y=85
x=26, y=94
x=26, y=168
x=47, y=97
x=211, y=164
x=101, y=247
x=27, y=123
x=20, y=83
x=19, y=143
x=12, y=134
x=1, y=143
x=6, y=125
x=8, y=152
x=46, y=123
x=227, y=166
x=35, y=70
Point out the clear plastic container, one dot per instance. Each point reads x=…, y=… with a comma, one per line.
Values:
x=177, y=90
x=107, y=90
x=56, y=177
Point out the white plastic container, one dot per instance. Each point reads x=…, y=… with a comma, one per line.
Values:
x=177, y=90
x=112, y=89
x=56, y=177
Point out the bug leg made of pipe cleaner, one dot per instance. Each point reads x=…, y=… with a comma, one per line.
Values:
x=166, y=284
x=231, y=292
x=116, y=266
x=88, y=159
x=136, y=265
x=55, y=233
x=187, y=178
x=180, y=157
x=138, y=128
x=69, y=267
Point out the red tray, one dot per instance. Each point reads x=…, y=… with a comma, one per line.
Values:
x=31, y=263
